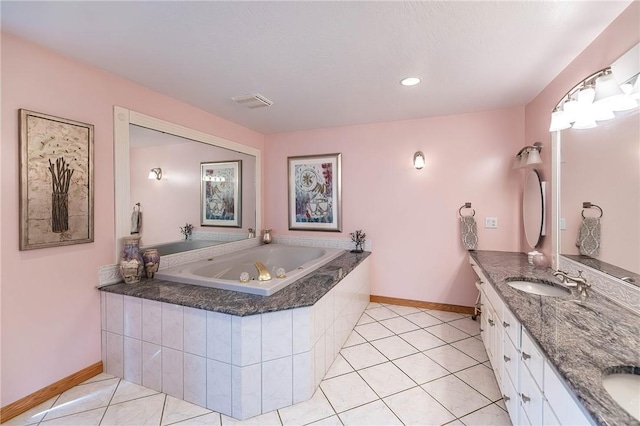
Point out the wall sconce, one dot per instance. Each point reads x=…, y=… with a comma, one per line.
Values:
x=155, y=173
x=418, y=160
x=528, y=156
x=595, y=98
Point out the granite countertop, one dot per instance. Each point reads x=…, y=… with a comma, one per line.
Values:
x=583, y=340
x=303, y=292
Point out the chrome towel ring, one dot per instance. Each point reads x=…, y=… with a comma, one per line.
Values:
x=589, y=205
x=466, y=206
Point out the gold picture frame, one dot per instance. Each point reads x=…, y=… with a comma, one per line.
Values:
x=56, y=181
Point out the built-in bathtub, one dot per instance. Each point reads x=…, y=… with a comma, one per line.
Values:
x=180, y=246
x=224, y=272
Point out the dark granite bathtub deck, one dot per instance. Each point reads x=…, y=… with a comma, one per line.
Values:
x=304, y=292
x=582, y=339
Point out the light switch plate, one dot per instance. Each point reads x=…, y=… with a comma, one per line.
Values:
x=491, y=222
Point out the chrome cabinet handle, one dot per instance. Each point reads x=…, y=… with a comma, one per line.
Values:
x=506, y=358
x=525, y=356
x=473, y=264
x=506, y=398
x=481, y=330
x=525, y=398
x=491, y=322
x=505, y=324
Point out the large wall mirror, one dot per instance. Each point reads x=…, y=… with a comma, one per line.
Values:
x=143, y=143
x=599, y=189
x=533, y=208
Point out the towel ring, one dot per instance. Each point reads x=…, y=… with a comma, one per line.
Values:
x=588, y=205
x=466, y=206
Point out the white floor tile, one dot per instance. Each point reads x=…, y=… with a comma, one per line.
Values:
x=374, y=413
x=32, y=416
x=83, y=398
x=421, y=340
x=363, y=356
x=176, y=410
x=329, y=421
x=373, y=331
x=447, y=333
x=481, y=379
x=340, y=366
x=373, y=305
x=128, y=391
x=315, y=409
x=386, y=379
x=381, y=313
x=403, y=310
x=457, y=423
x=467, y=325
x=347, y=391
x=445, y=315
x=472, y=347
x=139, y=412
x=490, y=415
x=86, y=418
x=268, y=419
x=394, y=347
x=399, y=325
x=365, y=319
x=450, y=358
x=455, y=395
x=423, y=319
x=500, y=403
x=212, y=419
x=417, y=407
x=354, y=339
x=421, y=368
x=98, y=378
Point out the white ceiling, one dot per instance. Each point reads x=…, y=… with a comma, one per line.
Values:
x=324, y=64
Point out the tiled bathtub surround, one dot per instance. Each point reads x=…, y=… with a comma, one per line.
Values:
x=240, y=366
x=580, y=339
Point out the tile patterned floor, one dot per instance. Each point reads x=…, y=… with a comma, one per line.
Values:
x=400, y=365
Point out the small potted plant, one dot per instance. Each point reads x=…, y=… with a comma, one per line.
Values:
x=359, y=238
x=186, y=230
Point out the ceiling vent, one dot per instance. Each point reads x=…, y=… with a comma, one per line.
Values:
x=252, y=101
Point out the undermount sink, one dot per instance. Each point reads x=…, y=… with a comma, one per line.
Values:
x=624, y=388
x=540, y=289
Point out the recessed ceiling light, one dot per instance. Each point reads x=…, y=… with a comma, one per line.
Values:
x=410, y=81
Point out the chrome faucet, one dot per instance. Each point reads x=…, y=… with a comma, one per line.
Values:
x=579, y=282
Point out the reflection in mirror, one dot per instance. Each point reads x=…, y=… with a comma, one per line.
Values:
x=179, y=186
x=174, y=200
x=602, y=166
x=533, y=208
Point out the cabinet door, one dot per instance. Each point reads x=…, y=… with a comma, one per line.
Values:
x=510, y=360
x=532, y=358
x=565, y=406
x=531, y=397
x=511, y=399
x=511, y=327
x=549, y=416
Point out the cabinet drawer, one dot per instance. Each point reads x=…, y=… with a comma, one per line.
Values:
x=564, y=405
x=511, y=399
x=531, y=397
x=496, y=302
x=510, y=360
x=478, y=271
x=511, y=327
x=532, y=358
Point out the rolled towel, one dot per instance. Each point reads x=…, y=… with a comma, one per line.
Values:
x=589, y=237
x=136, y=221
x=469, y=232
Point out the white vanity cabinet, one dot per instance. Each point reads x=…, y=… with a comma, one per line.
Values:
x=533, y=392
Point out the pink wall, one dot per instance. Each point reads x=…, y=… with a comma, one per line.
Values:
x=409, y=215
x=612, y=43
x=169, y=203
x=50, y=307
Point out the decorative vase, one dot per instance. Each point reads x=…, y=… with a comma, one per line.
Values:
x=359, y=248
x=131, y=262
x=540, y=260
x=266, y=236
x=151, y=259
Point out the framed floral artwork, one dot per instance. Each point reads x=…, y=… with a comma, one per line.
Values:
x=315, y=193
x=56, y=181
x=221, y=193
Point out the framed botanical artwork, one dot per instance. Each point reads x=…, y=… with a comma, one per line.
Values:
x=56, y=181
x=221, y=193
x=314, y=193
